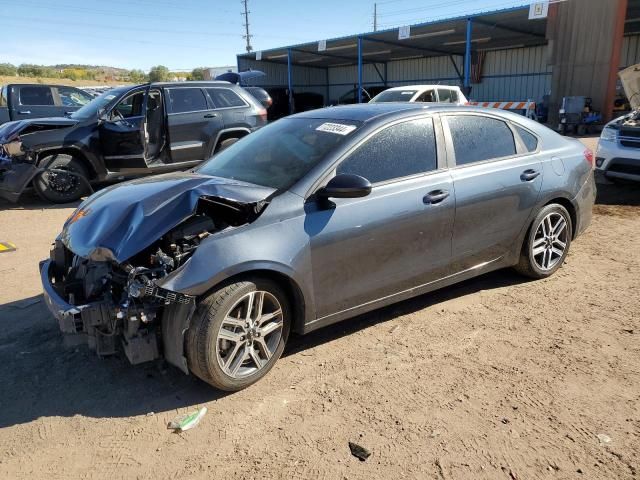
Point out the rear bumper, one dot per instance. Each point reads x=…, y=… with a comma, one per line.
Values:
x=584, y=201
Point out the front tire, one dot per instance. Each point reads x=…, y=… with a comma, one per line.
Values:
x=238, y=333
x=57, y=187
x=547, y=242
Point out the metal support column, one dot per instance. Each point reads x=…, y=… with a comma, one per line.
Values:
x=359, y=69
x=467, y=58
x=290, y=81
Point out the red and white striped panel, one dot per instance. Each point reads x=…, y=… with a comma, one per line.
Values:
x=507, y=105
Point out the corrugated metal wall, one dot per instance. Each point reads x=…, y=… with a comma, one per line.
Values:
x=305, y=79
x=630, y=51
x=514, y=74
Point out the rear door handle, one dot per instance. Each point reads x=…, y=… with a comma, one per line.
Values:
x=24, y=112
x=211, y=115
x=435, y=196
x=529, y=175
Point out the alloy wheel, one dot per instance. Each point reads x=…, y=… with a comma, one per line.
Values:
x=249, y=334
x=550, y=241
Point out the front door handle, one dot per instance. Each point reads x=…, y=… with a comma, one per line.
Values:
x=435, y=196
x=24, y=112
x=529, y=175
x=211, y=115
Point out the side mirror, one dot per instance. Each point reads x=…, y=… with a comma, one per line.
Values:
x=346, y=185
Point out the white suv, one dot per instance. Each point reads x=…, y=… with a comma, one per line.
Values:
x=422, y=93
x=618, y=152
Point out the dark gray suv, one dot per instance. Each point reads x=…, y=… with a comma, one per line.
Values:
x=125, y=132
x=313, y=219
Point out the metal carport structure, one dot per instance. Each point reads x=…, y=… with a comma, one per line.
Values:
x=366, y=57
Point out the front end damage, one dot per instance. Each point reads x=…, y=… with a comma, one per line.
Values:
x=18, y=162
x=117, y=304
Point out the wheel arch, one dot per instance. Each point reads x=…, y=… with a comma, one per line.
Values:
x=566, y=203
x=228, y=133
x=294, y=293
x=72, y=151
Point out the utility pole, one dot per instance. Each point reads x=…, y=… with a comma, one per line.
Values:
x=247, y=35
x=375, y=17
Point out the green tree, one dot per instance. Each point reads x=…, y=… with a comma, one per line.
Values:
x=8, y=69
x=137, y=76
x=159, y=73
x=197, y=74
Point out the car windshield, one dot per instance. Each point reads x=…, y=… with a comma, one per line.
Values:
x=281, y=153
x=91, y=109
x=394, y=96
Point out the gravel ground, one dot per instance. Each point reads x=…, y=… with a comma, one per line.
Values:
x=497, y=377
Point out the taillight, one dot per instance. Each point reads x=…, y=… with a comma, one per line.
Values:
x=262, y=113
x=588, y=156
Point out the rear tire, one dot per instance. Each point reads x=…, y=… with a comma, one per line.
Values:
x=226, y=144
x=235, y=338
x=58, y=187
x=547, y=242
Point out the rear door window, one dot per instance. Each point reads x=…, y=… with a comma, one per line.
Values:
x=529, y=139
x=71, y=97
x=454, y=96
x=225, y=98
x=183, y=100
x=478, y=138
x=36, y=96
x=444, y=95
x=401, y=150
x=428, y=96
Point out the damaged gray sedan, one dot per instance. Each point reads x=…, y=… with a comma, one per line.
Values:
x=311, y=220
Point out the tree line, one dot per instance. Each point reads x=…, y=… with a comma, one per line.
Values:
x=159, y=73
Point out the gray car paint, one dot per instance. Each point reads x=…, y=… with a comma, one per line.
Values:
x=361, y=255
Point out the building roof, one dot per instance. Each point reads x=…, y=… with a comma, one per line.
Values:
x=507, y=28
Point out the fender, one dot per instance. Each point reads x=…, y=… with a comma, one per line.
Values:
x=244, y=130
x=74, y=150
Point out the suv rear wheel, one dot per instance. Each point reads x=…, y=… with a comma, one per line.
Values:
x=238, y=333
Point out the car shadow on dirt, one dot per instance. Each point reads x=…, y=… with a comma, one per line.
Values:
x=43, y=377
x=623, y=194
x=31, y=201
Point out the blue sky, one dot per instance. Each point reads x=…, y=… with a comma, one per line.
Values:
x=183, y=34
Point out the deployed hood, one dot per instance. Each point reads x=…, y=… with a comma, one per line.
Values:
x=120, y=221
x=630, y=78
x=24, y=127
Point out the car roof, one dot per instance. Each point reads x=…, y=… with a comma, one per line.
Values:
x=367, y=112
x=208, y=83
x=423, y=87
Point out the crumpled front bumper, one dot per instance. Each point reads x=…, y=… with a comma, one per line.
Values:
x=14, y=178
x=71, y=318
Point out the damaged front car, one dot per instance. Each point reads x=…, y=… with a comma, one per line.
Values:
x=618, y=152
x=104, y=278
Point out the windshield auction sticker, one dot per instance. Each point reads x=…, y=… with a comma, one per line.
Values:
x=337, y=128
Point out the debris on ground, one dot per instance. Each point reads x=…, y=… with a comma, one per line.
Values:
x=188, y=421
x=359, y=452
x=7, y=247
x=604, y=438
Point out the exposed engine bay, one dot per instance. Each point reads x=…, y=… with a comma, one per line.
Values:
x=112, y=301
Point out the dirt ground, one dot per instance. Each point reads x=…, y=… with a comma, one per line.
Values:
x=497, y=377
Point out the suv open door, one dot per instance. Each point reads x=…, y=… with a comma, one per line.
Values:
x=122, y=132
